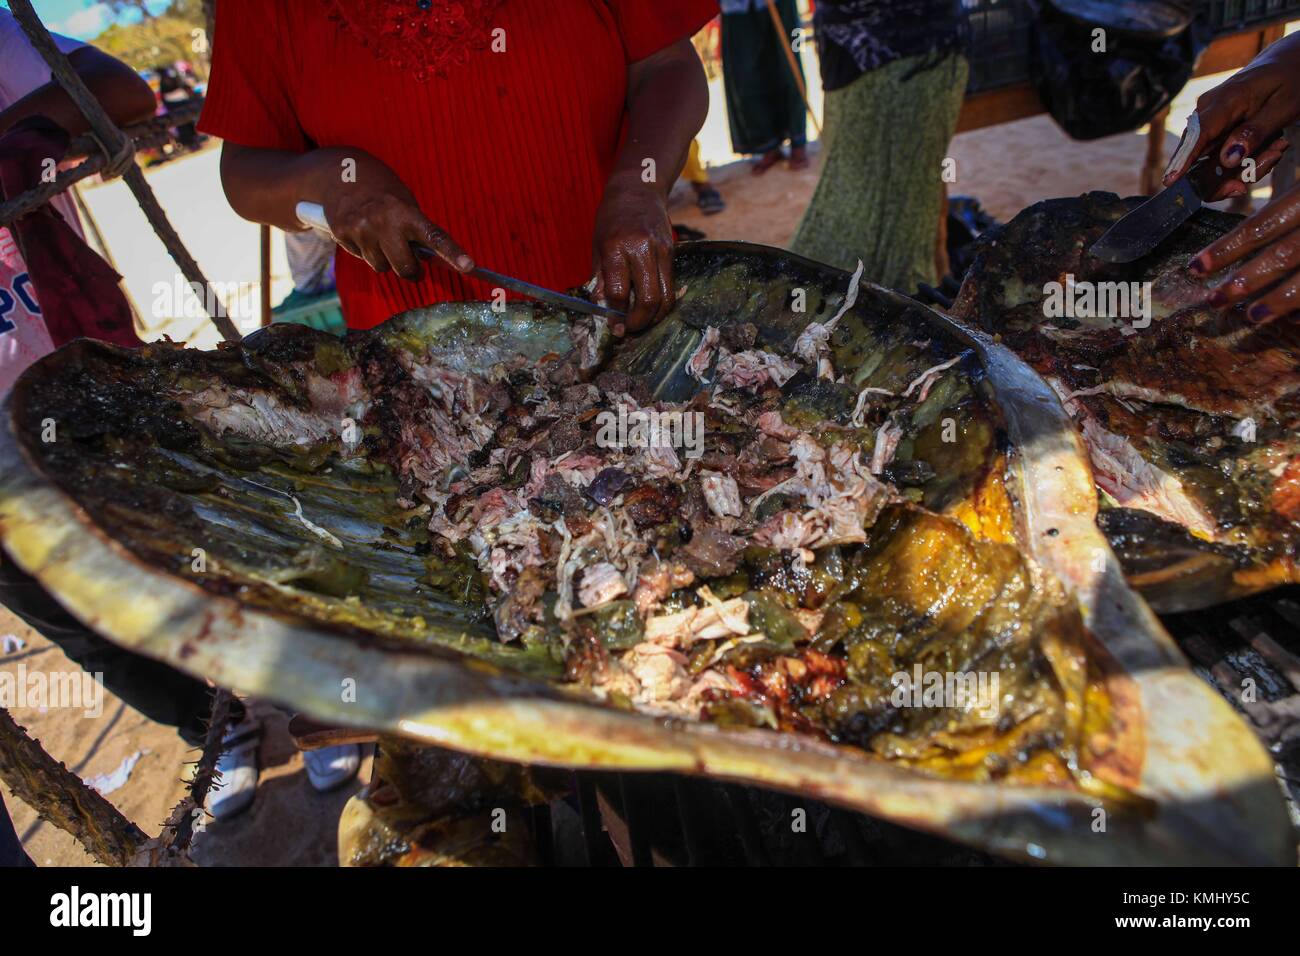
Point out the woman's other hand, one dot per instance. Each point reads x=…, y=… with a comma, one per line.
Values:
x=1248, y=111
x=632, y=244
x=1270, y=281
x=633, y=252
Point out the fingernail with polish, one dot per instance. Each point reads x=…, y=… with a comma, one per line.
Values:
x=1235, y=154
x=1259, y=312
x=1198, y=265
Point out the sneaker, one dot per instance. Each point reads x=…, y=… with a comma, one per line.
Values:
x=237, y=785
x=332, y=767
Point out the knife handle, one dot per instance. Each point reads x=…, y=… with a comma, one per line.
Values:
x=424, y=252
x=1208, y=173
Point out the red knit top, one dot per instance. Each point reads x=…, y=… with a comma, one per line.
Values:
x=503, y=117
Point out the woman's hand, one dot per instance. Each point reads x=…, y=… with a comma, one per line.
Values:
x=374, y=216
x=632, y=246
x=1272, y=236
x=1248, y=111
x=633, y=252
x=369, y=209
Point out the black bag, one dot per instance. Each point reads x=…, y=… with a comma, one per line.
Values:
x=1151, y=49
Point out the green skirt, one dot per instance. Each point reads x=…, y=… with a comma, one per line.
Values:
x=881, y=188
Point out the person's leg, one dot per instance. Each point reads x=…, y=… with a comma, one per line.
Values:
x=706, y=197
x=745, y=82
x=161, y=693
x=790, y=101
x=694, y=172
x=11, y=849
x=881, y=191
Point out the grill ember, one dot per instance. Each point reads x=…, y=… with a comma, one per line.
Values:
x=839, y=559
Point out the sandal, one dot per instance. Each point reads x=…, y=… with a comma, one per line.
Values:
x=710, y=201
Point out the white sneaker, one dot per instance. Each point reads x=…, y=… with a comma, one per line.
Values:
x=332, y=767
x=237, y=786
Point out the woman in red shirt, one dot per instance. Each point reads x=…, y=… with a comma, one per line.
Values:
x=539, y=138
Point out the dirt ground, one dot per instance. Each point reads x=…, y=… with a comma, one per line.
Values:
x=1005, y=167
x=289, y=824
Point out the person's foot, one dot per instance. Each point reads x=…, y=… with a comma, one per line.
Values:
x=237, y=785
x=767, y=161
x=798, y=157
x=331, y=767
x=709, y=199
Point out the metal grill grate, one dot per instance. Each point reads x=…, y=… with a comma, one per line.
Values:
x=999, y=32
x=998, y=42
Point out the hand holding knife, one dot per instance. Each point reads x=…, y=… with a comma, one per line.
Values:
x=1237, y=129
x=1151, y=223
x=313, y=215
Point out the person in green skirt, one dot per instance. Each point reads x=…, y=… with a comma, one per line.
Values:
x=895, y=78
x=765, y=109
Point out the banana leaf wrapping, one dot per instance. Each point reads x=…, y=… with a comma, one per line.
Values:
x=261, y=567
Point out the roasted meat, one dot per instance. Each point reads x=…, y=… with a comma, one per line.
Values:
x=1190, y=414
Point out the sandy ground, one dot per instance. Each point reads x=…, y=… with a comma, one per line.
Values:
x=289, y=824
x=1006, y=167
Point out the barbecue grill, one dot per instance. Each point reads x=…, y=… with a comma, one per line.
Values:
x=662, y=820
x=1209, y=786
x=612, y=819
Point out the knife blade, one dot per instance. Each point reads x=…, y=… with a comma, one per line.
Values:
x=313, y=215
x=1140, y=231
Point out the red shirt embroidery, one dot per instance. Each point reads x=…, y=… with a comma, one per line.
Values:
x=427, y=38
x=507, y=145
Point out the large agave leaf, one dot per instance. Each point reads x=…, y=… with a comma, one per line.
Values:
x=221, y=565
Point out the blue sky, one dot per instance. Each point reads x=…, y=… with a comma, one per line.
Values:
x=82, y=19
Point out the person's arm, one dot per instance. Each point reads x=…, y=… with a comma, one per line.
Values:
x=667, y=101
x=124, y=95
x=369, y=209
x=1250, y=109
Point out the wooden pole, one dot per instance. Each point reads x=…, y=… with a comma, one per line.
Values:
x=59, y=796
x=795, y=72
x=264, y=234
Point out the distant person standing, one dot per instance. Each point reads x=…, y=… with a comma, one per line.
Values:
x=764, y=106
x=895, y=78
x=177, y=90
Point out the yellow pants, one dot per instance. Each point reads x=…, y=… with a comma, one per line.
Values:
x=695, y=171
